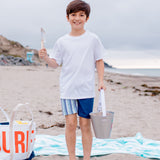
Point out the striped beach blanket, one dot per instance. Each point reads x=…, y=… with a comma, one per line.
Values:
x=147, y=148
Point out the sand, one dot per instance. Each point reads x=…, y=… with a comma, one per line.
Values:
x=39, y=86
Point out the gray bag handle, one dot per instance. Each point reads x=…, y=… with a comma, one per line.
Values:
x=102, y=105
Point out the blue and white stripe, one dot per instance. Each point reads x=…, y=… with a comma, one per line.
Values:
x=69, y=106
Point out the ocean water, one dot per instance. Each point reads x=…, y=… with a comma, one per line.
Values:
x=137, y=72
x=149, y=60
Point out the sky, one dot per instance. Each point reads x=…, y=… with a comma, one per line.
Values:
x=122, y=25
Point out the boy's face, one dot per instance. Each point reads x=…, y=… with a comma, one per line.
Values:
x=77, y=20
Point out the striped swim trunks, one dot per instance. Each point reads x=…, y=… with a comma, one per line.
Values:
x=81, y=106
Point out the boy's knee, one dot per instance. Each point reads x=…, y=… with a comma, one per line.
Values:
x=71, y=125
x=85, y=126
x=71, y=121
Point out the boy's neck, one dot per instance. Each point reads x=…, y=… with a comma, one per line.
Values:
x=77, y=32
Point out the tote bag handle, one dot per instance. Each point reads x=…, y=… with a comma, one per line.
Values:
x=26, y=105
x=102, y=105
x=5, y=114
x=13, y=115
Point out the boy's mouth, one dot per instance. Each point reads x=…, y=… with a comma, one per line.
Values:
x=77, y=23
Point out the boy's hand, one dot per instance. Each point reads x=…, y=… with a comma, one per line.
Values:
x=101, y=86
x=42, y=53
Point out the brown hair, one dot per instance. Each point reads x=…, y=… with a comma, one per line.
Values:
x=76, y=6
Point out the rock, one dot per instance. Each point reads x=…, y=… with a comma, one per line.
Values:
x=107, y=65
x=11, y=60
x=2, y=63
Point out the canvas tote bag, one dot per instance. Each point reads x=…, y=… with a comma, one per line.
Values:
x=17, y=137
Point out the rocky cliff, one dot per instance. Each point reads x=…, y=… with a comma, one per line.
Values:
x=15, y=50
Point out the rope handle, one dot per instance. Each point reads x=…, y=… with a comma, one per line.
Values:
x=5, y=114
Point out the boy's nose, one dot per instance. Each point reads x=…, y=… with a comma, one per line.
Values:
x=77, y=17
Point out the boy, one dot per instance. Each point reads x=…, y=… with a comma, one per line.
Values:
x=78, y=52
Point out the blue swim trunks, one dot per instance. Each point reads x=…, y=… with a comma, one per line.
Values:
x=81, y=106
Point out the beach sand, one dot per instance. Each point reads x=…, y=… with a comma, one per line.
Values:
x=39, y=86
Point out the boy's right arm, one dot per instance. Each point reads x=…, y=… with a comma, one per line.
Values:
x=50, y=61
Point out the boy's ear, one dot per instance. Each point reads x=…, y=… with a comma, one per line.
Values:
x=67, y=17
x=87, y=19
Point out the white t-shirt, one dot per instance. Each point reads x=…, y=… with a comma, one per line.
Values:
x=78, y=56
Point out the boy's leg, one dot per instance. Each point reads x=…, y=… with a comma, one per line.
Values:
x=70, y=134
x=85, y=125
x=69, y=108
x=85, y=106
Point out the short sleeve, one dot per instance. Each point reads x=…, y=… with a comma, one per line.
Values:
x=56, y=53
x=98, y=49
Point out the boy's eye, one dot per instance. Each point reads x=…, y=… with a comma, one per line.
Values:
x=82, y=15
x=73, y=14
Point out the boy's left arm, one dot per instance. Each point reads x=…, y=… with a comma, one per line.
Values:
x=100, y=70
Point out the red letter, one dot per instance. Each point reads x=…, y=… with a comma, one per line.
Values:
x=21, y=142
x=27, y=142
x=4, y=142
